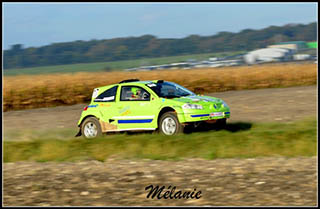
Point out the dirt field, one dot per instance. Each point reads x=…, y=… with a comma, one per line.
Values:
x=276, y=104
x=275, y=181
x=222, y=182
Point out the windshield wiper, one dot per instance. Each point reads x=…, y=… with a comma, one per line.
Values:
x=170, y=96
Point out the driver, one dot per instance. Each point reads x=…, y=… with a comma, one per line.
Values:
x=136, y=93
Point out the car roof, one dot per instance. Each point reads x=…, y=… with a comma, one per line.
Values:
x=128, y=83
x=140, y=82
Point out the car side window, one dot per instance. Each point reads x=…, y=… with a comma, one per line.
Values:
x=134, y=93
x=108, y=95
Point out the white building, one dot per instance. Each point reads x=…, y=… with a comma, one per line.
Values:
x=301, y=56
x=267, y=55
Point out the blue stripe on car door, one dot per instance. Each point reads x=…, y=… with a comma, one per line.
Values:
x=136, y=121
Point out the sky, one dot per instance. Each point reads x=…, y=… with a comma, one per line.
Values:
x=39, y=24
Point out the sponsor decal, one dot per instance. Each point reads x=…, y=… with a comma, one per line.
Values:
x=201, y=98
x=104, y=105
x=93, y=106
x=151, y=84
x=126, y=112
x=209, y=100
x=216, y=114
x=124, y=109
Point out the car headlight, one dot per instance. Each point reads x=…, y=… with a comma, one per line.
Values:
x=225, y=104
x=192, y=106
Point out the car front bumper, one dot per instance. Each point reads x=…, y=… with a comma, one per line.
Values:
x=194, y=117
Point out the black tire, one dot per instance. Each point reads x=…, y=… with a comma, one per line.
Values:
x=173, y=119
x=91, y=122
x=221, y=124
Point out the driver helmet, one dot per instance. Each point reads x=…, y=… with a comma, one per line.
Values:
x=134, y=90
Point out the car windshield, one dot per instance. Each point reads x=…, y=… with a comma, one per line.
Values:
x=169, y=89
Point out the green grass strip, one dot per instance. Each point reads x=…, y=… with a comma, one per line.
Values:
x=240, y=140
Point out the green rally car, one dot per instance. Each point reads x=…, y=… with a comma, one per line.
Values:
x=133, y=105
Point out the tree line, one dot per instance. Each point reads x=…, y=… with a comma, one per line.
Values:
x=148, y=46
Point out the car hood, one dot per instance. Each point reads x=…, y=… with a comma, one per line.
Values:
x=202, y=100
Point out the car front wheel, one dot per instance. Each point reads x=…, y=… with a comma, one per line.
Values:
x=221, y=124
x=169, y=124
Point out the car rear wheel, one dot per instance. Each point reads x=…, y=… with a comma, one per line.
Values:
x=91, y=128
x=169, y=124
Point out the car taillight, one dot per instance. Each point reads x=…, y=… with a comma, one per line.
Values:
x=85, y=108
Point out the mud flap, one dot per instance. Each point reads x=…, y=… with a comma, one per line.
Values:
x=79, y=133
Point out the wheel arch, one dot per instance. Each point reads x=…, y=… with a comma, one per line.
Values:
x=164, y=110
x=79, y=125
x=84, y=118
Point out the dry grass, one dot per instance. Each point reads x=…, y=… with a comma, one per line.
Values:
x=24, y=92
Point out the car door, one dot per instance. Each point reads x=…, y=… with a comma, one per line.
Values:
x=137, y=108
x=107, y=107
